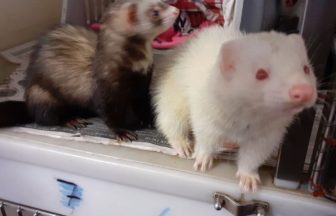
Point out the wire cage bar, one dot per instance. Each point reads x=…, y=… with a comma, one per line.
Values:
x=323, y=163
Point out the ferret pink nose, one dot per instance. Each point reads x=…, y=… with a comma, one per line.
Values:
x=300, y=94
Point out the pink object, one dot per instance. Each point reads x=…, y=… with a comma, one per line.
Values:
x=95, y=26
x=169, y=39
x=300, y=94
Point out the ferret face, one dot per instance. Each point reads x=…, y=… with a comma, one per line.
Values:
x=142, y=17
x=155, y=17
x=269, y=71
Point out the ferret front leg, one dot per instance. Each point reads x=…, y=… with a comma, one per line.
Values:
x=251, y=156
x=113, y=107
x=206, y=134
x=173, y=121
x=206, y=146
x=118, y=121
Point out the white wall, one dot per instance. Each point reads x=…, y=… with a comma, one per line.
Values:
x=24, y=20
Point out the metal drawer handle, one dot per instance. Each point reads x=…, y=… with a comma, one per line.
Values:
x=240, y=208
x=2, y=209
x=22, y=210
x=19, y=211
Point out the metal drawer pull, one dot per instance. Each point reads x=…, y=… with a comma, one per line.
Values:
x=9, y=208
x=2, y=209
x=19, y=211
x=240, y=208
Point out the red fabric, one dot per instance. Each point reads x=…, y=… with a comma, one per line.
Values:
x=185, y=5
x=189, y=4
x=197, y=17
x=171, y=39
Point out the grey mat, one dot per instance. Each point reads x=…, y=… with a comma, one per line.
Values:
x=99, y=129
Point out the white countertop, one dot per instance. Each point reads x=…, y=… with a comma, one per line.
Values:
x=123, y=165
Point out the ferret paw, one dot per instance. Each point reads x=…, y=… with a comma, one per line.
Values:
x=248, y=182
x=125, y=135
x=203, y=161
x=77, y=123
x=184, y=148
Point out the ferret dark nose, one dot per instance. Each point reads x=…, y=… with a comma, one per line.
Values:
x=300, y=94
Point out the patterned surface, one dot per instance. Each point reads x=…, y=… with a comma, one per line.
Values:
x=99, y=129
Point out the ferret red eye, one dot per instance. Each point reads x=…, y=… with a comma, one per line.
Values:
x=306, y=70
x=261, y=74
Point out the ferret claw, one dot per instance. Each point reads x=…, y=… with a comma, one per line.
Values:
x=125, y=135
x=84, y=121
x=248, y=182
x=184, y=149
x=203, y=162
x=77, y=123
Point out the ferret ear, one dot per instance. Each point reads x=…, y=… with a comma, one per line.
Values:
x=125, y=14
x=129, y=14
x=228, y=58
x=133, y=13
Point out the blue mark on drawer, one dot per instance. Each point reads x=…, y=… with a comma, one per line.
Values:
x=72, y=193
x=165, y=212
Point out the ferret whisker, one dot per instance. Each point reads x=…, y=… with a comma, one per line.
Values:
x=311, y=41
x=314, y=54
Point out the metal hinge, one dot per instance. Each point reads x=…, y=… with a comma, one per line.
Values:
x=8, y=208
x=240, y=208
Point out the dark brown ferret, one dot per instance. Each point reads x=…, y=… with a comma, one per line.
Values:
x=74, y=72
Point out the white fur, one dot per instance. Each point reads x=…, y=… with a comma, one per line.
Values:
x=192, y=94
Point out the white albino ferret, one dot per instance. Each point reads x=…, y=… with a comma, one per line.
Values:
x=227, y=87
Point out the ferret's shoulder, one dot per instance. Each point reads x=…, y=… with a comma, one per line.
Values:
x=217, y=32
x=68, y=42
x=199, y=55
x=204, y=47
x=213, y=36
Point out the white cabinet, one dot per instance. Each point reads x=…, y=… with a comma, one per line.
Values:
x=84, y=179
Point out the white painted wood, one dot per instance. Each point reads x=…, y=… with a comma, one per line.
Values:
x=123, y=181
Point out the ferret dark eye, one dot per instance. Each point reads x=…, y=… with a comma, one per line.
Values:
x=155, y=13
x=306, y=70
x=261, y=74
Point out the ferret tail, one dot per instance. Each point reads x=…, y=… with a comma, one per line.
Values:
x=14, y=113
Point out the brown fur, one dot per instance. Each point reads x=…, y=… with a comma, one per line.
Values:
x=73, y=69
x=65, y=59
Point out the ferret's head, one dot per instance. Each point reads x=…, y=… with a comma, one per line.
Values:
x=140, y=17
x=269, y=71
